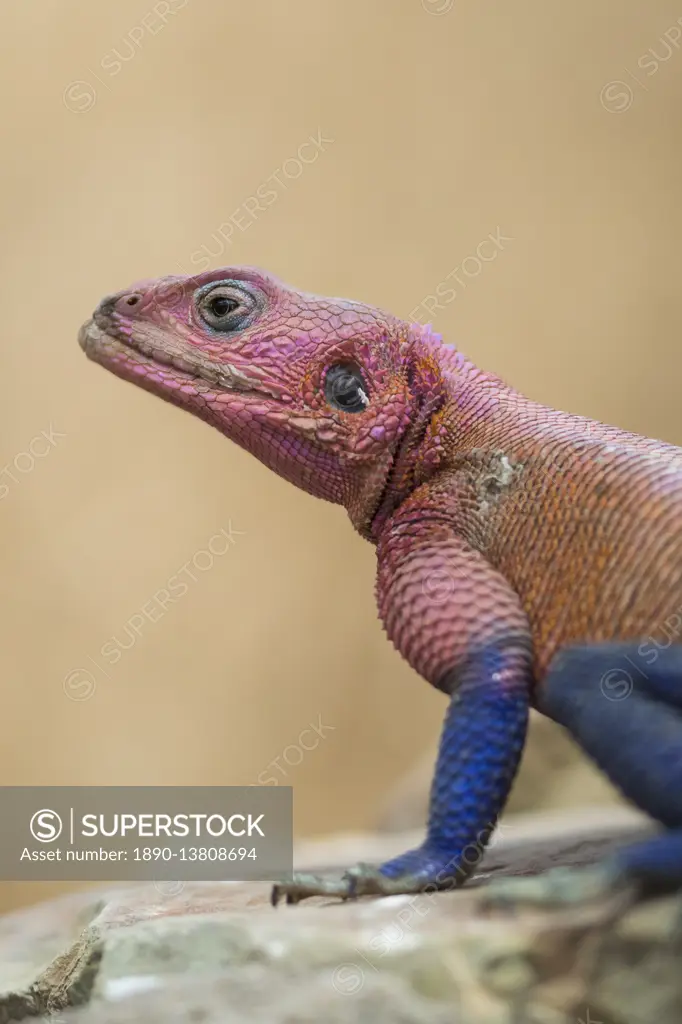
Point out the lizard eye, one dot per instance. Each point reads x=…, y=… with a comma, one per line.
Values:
x=345, y=389
x=226, y=307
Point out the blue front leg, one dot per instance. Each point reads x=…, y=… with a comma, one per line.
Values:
x=480, y=749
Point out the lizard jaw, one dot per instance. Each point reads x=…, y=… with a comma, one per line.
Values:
x=105, y=344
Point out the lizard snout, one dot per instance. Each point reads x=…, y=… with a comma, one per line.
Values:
x=122, y=302
x=125, y=303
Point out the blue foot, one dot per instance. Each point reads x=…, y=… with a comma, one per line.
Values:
x=412, y=872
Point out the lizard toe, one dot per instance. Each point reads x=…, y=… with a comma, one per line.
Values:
x=301, y=886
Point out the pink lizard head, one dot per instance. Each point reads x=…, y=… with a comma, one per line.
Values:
x=321, y=390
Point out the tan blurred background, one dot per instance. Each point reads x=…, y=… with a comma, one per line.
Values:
x=132, y=132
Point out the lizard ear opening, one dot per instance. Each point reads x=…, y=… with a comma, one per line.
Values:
x=345, y=388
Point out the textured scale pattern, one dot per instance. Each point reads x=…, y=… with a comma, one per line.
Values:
x=504, y=530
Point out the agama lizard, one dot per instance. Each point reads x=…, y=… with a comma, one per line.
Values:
x=526, y=557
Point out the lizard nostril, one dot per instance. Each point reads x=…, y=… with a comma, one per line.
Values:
x=122, y=302
x=125, y=301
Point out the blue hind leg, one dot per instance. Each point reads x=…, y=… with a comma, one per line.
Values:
x=623, y=705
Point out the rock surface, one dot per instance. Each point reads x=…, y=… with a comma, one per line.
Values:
x=217, y=953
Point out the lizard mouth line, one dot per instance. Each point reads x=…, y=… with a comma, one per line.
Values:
x=96, y=340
